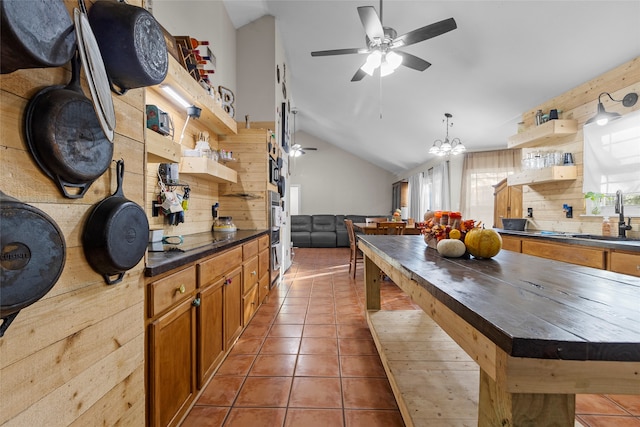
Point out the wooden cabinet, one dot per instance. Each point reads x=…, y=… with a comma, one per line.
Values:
x=195, y=314
x=172, y=347
x=574, y=254
x=507, y=202
x=511, y=243
x=210, y=321
x=400, y=195
x=233, y=307
x=625, y=262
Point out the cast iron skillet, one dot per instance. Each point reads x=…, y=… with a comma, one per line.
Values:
x=35, y=34
x=116, y=233
x=32, y=256
x=64, y=136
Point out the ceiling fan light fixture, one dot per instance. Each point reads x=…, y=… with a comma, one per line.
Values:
x=393, y=59
x=373, y=61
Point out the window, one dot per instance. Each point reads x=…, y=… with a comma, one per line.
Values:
x=612, y=162
x=480, y=172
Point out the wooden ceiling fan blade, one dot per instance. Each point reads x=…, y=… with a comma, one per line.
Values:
x=371, y=22
x=413, y=62
x=339, y=52
x=425, y=33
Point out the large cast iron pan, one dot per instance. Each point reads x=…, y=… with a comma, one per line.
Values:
x=64, y=136
x=35, y=34
x=116, y=233
x=32, y=256
x=132, y=45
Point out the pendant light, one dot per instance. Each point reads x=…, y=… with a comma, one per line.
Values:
x=446, y=147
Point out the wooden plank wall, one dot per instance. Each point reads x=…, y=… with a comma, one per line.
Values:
x=75, y=357
x=247, y=201
x=579, y=103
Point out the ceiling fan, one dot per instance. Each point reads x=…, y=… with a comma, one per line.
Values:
x=297, y=150
x=383, y=43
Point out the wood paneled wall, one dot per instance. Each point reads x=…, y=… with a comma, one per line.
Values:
x=579, y=103
x=76, y=356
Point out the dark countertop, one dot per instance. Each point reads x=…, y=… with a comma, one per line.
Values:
x=632, y=245
x=529, y=306
x=195, y=247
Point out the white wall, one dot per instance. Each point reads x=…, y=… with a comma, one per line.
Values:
x=333, y=181
x=203, y=20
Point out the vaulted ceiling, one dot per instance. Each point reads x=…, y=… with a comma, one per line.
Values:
x=504, y=58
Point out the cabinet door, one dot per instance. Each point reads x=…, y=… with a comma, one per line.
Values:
x=589, y=257
x=515, y=201
x=210, y=330
x=511, y=243
x=172, y=368
x=249, y=274
x=250, y=302
x=232, y=306
x=625, y=263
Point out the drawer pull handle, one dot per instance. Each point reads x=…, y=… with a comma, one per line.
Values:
x=227, y=281
x=253, y=273
x=181, y=289
x=196, y=302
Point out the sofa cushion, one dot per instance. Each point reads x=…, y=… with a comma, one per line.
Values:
x=323, y=223
x=301, y=223
x=342, y=236
x=323, y=239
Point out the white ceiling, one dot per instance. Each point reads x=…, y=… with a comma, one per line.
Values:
x=504, y=58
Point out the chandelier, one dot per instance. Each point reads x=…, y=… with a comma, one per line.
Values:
x=446, y=147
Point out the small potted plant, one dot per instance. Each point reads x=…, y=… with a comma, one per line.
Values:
x=596, y=201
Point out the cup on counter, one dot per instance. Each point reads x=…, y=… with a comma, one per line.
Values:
x=568, y=159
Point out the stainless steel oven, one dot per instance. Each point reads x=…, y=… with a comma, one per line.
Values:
x=275, y=211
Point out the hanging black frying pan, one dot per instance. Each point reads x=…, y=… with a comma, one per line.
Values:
x=65, y=138
x=32, y=256
x=35, y=34
x=116, y=234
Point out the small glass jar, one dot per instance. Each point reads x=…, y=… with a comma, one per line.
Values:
x=454, y=220
x=224, y=223
x=444, y=220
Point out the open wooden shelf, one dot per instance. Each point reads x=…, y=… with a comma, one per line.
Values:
x=213, y=115
x=161, y=149
x=543, y=134
x=208, y=169
x=541, y=176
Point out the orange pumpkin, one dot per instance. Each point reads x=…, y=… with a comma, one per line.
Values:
x=483, y=243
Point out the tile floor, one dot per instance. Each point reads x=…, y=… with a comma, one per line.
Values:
x=307, y=359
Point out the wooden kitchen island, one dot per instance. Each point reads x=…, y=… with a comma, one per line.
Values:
x=541, y=331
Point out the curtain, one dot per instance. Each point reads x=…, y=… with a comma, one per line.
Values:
x=440, y=191
x=480, y=172
x=416, y=201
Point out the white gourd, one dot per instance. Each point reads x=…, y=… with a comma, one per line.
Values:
x=451, y=248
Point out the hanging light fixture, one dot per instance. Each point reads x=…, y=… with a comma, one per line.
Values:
x=388, y=62
x=192, y=112
x=446, y=147
x=603, y=117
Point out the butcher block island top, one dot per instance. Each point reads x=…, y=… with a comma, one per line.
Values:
x=540, y=330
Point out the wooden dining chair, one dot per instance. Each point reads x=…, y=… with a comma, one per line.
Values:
x=392, y=228
x=355, y=254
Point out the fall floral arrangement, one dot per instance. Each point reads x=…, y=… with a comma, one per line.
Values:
x=441, y=225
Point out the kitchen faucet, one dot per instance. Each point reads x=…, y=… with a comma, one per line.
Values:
x=622, y=226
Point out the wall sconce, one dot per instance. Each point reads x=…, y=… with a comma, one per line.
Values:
x=192, y=111
x=443, y=148
x=602, y=117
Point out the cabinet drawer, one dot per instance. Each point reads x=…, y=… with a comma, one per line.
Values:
x=249, y=274
x=249, y=250
x=263, y=243
x=165, y=292
x=263, y=263
x=625, y=263
x=210, y=270
x=263, y=288
x=250, y=304
x=567, y=253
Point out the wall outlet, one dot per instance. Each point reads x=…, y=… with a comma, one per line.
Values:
x=529, y=212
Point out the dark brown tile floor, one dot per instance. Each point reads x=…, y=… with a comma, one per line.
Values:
x=307, y=359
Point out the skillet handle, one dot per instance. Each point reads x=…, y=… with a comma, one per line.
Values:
x=119, y=178
x=118, y=278
x=62, y=185
x=6, y=321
